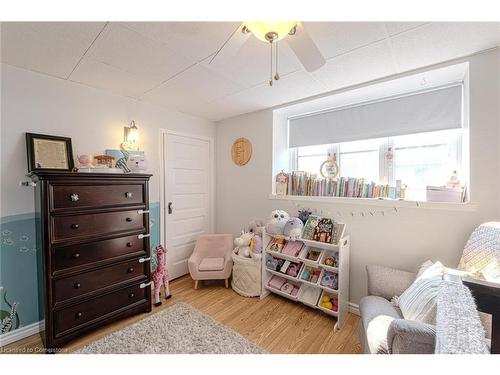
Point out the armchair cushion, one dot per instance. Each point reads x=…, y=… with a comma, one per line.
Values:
x=418, y=302
x=377, y=313
x=211, y=264
x=387, y=282
x=411, y=337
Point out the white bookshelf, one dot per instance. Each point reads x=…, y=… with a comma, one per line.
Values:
x=312, y=297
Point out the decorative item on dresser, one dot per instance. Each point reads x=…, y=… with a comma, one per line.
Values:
x=93, y=238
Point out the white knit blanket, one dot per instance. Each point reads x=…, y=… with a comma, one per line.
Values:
x=458, y=327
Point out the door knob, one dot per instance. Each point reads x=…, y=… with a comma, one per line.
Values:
x=170, y=208
x=75, y=226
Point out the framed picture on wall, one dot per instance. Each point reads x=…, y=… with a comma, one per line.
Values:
x=49, y=153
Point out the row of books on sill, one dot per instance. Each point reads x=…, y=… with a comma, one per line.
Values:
x=307, y=184
x=310, y=255
x=303, y=272
x=319, y=298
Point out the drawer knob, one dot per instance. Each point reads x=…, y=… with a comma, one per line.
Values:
x=77, y=285
x=128, y=194
x=75, y=226
x=129, y=244
x=78, y=315
x=74, y=197
x=76, y=255
x=131, y=295
x=129, y=219
x=130, y=270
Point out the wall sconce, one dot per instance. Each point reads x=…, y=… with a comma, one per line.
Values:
x=131, y=137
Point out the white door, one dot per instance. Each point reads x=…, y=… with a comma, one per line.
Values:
x=187, y=197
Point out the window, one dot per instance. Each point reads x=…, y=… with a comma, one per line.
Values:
x=417, y=160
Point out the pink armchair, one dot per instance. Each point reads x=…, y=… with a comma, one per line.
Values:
x=212, y=258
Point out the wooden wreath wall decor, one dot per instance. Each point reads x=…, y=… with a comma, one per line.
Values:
x=241, y=151
x=330, y=168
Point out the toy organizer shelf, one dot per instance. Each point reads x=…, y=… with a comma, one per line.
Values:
x=311, y=292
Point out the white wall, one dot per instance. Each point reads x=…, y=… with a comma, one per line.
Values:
x=404, y=239
x=94, y=119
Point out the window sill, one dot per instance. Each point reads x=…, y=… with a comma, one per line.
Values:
x=467, y=206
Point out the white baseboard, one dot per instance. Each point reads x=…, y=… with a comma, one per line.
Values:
x=21, y=333
x=354, y=308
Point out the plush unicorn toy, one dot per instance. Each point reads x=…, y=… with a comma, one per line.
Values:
x=160, y=275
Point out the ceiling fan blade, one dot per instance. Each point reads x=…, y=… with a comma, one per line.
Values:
x=231, y=46
x=305, y=49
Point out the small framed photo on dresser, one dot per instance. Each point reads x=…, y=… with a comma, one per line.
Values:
x=49, y=153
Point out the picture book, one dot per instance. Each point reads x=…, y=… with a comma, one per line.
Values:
x=330, y=280
x=276, y=245
x=292, y=248
x=310, y=227
x=325, y=230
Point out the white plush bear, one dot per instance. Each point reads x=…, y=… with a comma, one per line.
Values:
x=242, y=244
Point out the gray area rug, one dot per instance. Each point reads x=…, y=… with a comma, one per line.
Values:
x=179, y=329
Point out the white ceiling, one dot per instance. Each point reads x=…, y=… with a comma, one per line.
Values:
x=166, y=63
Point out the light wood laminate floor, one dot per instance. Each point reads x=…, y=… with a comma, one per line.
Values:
x=275, y=323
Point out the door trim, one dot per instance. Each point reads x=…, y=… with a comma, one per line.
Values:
x=163, y=192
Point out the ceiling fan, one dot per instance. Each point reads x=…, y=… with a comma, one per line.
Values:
x=272, y=32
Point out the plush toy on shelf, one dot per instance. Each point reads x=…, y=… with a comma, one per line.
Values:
x=276, y=222
x=330, y=302
x=293, y=228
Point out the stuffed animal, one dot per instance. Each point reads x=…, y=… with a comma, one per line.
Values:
x=304, y=215
x=325, y=302
x=256, y=247
x=242, y=244
x=276, y=222
x=256, y=227
x=293, y=228
x=160, y=275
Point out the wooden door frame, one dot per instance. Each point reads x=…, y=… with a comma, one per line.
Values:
x=163, y=186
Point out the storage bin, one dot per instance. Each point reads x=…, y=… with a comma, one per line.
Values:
x=247, y=276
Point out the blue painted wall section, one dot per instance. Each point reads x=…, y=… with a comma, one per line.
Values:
x=18, y=262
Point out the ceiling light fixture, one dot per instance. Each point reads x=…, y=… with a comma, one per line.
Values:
x=272, y=33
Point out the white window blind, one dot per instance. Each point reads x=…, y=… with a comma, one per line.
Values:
x=439, y=109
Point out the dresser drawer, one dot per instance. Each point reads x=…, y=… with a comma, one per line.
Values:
x=66, y=257
x=96, y=196
x=78, y=285
x=69, y=227
x=97, y=309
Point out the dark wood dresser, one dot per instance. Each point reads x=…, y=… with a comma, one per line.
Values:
x=93, y=237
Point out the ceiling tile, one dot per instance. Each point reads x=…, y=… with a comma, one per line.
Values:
x=443, y=41
x=336, y=38
x=394, y=28
x=107, y=77
x=130, y=51
x=251, y=65
x=195, y=40
x=361, y=65
x=197, y=84
x=294, y=86
x=48, y=47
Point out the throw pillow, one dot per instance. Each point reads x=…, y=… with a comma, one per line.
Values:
x=418, y=302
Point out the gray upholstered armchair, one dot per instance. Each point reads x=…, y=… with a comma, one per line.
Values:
x=382, y=328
